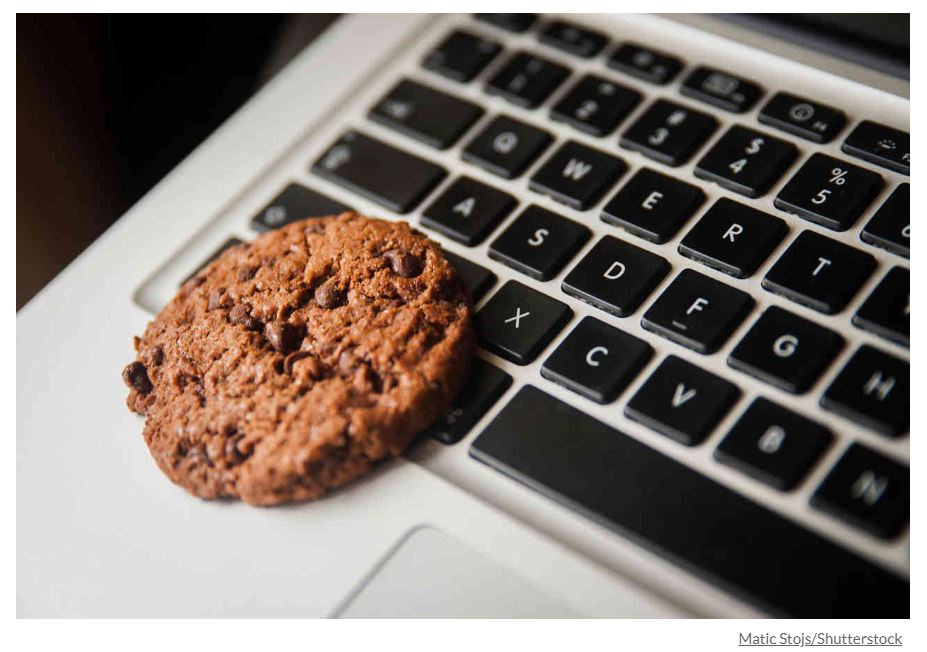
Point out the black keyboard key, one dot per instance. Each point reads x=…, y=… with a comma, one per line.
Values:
x=644, y=63
x=680, y=514
x=887, y=311
x=467, y=211
x=803, y=118
x=869, y=490
x=873, y=389
x=572, y=38
x=721, y=89
x=484, y=387
x=577, y=175
x=786, y=351
x=539, y=243
x=228, y=244
x=669, y=133
x=653, y=206
x=887, y=147
x=733, y=238
x=433, y=117
x=510, y=22
x=518, y=322
x=890, y=227
x=820, y=273
x=697, y=312
x=829, y=192
x=461, y=56
x=595, y=105
x=597, y=361
x=682, y=401
x=476, y=278
x=296, y=202
x=527, y=80
x=615, y=276
x=506, y=146
x=746, y=161
x=774, y=445
x=389, y=176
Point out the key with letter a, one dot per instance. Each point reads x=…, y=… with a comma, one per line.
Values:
x=467, y=211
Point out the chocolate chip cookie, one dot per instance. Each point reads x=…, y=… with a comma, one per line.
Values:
x=290, y=365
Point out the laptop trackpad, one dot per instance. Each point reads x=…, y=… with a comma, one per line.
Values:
x=431, y=575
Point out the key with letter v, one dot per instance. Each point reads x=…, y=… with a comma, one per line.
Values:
x=682, y=401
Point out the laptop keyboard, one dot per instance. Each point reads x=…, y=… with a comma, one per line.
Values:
x=641, y=242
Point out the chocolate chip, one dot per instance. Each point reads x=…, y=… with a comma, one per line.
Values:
x=246, y=273
x=329, y=296
x=239, y=315
x=282, y=336
x=405, y=264
x=136, y=377
x=215, y=298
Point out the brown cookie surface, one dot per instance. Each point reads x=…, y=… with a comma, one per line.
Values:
x=291, y=364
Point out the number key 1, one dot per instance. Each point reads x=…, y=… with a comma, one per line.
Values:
x=829, y=192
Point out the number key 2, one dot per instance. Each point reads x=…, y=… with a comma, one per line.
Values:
x=746, y=161
x=829, y=192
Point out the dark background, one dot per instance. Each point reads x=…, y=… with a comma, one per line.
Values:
x=107, y=105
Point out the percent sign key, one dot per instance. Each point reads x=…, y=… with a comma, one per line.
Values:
x=830, y=192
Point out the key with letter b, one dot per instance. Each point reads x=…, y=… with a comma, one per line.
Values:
x=773, y=445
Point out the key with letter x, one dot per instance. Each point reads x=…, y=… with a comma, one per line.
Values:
x=518, y=322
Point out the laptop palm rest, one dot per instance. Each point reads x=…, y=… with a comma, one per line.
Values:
x=428, y=574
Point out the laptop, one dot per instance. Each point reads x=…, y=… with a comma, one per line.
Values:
x=687, y=239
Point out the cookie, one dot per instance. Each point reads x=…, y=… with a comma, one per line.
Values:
x=290, y=365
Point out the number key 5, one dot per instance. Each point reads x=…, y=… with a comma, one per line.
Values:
x=829, y=192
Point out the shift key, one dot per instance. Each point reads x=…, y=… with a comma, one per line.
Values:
x=385, y=174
